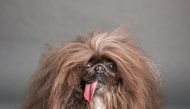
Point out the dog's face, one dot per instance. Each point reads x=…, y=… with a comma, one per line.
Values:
x=100, y=77
x=104, y=65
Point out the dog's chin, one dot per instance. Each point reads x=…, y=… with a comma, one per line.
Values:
x=100, y=88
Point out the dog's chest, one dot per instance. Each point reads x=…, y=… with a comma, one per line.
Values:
x=99, y=103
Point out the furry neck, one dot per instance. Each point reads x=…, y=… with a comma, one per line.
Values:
x=99, y=103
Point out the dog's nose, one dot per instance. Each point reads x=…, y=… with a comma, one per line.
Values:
x=99, y=69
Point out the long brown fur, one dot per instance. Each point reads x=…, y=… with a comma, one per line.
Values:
x=56, y=82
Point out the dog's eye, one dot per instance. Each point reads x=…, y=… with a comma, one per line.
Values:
x=88, y=65
x=111, y=66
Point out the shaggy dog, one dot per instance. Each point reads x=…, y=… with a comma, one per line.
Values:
x=102, y=70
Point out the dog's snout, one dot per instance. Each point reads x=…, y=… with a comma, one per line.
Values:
x=99, y=69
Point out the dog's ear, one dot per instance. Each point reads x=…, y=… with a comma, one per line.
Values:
x=42, y=80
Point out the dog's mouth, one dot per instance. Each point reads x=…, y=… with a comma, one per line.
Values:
x=89, y=90
x=92, y=88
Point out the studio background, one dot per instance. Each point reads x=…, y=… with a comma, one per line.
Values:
x=162, y=27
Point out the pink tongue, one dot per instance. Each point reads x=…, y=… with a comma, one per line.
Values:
x=89, y=90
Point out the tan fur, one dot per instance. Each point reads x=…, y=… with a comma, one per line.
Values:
x=55, y=83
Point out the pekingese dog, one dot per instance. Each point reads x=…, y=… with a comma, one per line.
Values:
x=102, y=70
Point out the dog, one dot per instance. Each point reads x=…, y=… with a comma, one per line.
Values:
x=100, y=70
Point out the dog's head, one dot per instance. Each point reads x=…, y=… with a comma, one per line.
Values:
x=106, y=65
x=100, y=77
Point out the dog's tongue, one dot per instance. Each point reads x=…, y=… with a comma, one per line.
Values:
x=89, y=90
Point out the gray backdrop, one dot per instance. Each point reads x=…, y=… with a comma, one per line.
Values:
x=162, y=27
